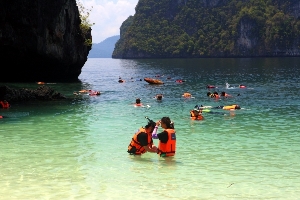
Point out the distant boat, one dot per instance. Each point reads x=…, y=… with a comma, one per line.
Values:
x=153, y=81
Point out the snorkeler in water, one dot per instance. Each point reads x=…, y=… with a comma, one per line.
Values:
x=229, y=107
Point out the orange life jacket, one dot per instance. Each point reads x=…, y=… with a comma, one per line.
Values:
x=193, y=117
x=232, y=107
x=4, y=104
x=186, y=95
x=169, y=148
x=135, y=147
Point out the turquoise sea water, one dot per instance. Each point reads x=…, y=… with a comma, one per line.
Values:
x=76, y=148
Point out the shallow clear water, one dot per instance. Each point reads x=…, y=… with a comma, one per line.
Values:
x=76, y=148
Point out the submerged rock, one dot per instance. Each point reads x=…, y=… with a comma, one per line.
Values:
x=23, y=94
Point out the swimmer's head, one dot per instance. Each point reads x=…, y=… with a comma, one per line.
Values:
x=159, y=97
x=138, y=101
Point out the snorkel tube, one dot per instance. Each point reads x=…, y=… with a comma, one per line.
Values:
x=150, y=123
x=153, y=124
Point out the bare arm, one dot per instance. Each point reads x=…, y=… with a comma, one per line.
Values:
x=153, y=149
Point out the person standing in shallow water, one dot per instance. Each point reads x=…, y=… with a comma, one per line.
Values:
x=142, y=142
x=167, y=138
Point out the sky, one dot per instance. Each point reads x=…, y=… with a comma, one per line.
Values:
x=108, y=16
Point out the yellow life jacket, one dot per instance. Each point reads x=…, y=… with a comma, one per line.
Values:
x=186, y=95
x=231, y=107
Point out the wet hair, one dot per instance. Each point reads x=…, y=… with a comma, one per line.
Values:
x=150, y=124
x=223, y=94
x=215, y=93
x=168, y=122
x=138, y=101
x=208, y=94
x=159, y=97
x=237, y=107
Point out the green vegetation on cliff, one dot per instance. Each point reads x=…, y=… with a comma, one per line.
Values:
x=199, y=28
x=85, y=24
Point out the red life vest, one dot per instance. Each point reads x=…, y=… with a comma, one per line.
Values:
x=169, y=148
x=4, y=104
x=135, y=147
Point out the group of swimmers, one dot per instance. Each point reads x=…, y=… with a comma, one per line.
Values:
x=227, y=86
x=138, y=102
x=209, y=94
x=196, y=113
x=216, y=94
x=131, y=80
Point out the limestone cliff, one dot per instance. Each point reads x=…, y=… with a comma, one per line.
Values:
x=41, y=41
x=211, y=28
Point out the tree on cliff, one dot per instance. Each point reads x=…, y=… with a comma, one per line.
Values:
x=198, y=28
x=85, y=25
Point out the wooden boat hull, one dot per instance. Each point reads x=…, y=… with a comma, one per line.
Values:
x=153, y=81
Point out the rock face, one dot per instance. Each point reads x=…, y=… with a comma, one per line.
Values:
x=211, y=28
x=19, y=95
x=41, y=41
